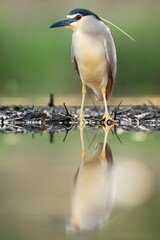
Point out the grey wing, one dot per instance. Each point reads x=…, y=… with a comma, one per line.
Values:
x=111, y=53
x=73, y=59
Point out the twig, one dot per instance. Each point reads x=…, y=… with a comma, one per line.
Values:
x=95, y=135
x=115, y=131
x=67, y=113
x=116, y=110
x=150, y=102
x=51, y=102
x=51, y=137
x=67, y=131
x=93, y=103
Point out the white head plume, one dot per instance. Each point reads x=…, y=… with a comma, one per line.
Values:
x=118, y=29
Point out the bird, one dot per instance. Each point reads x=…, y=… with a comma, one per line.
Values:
x=93, y=190
x=93, y=54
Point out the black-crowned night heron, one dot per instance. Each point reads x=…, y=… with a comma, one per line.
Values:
x=93, y=54
x=93, y=188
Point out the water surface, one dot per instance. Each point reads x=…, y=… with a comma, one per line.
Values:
x=58, y=190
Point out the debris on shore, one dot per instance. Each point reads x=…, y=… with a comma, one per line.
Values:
x=32, y=119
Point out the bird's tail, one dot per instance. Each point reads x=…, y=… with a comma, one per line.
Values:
x=109, y=89
x=98, y=95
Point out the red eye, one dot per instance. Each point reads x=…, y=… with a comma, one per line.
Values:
x=78, y=17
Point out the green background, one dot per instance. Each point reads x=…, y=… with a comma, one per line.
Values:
x=35, y=60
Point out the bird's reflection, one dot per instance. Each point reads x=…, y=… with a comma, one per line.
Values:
x=93, y=188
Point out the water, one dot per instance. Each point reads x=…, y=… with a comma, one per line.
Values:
x=114, y=194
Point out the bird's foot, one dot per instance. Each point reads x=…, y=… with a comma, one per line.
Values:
x=108, y=120
x=81, y=120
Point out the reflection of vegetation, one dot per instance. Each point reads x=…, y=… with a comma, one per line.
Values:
x=35, y=60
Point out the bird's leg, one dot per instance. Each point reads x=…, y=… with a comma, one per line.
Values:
x=106, y=117
x=81, y=118
x=81, y=127
x=106, y=129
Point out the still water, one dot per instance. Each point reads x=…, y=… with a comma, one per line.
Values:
x=93, y=185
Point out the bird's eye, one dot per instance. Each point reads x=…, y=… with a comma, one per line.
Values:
x=78, y=17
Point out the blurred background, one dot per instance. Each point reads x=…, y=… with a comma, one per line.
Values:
x=35, y=60
x=35, y=176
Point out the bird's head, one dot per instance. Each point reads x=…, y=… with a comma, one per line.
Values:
x=78, y=19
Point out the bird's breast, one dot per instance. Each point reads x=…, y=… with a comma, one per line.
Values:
x=91, y=59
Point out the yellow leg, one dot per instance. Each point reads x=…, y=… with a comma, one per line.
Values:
x=81, y=118
x=106, y=129
x=81, y=127
x=106, y=117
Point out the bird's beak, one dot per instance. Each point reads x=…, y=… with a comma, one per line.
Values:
x=62, y=23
